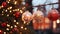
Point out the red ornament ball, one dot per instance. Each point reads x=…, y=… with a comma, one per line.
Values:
x=14, y=29
x=4, y=24
x=53, y=14
x=4, y=4
x=1, y=32
x=17, y=14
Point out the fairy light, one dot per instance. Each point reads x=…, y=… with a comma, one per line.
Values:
x=15, y=26
x=5, y=10
x=17, y=23
x=8, y=2
x=11, y=26
x=7, y=29
x=4, y=32
x=2, y=11
x=21, y=11
x=7, y=15
x=10, y=7
x=21, y=27
x=10, y=11
x=54, y=24
x=8, y=25
x=18, y=9
x=2, y=14
x=14, y=20
x=15, y=2
x=58, y=21
x=25, y=28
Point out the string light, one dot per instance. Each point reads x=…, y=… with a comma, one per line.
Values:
x=9, y=0
x=4, y=32
x=21, y=11
x=7, y=15
x=2, y=14
x=14, y=20
x=17, y=23
x=25, y=28
x=15, y=26
x=8, y=25
x=2, y=11
x=58, y=21
x=10, y=11
x=5, y=10
x=21, y=27
x=11, y=26
x=15, y=2
x=7, y=29
x=10, y=7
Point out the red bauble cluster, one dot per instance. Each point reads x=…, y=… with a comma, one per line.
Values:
x=53, y=14
x=4, y=4
x=17, y=14
x=4, y=24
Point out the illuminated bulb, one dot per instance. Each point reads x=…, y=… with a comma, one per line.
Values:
x=10, y=11
x=8, y=25
x=2, y=14
x=0, y=30
x=28, y=23
x=2, y=6
x=8, y=2
x=15, y=2
x=10, y=7
x=25, y=28
x=14, y=20
x=21, y=27
x=18, y=9
x=2, y=11
x=23, y=8
x=7, y=15
x=4, y=32
x=7, y=29
x=17, y=23
x=6, y=11
x=21, y=11
x=24, y=22
x=11, y=26
x=15, y=26
x=58, y=21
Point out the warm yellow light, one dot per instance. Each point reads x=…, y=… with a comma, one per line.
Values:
x=8, y=25
x=15, y=26
x=15, y=2
x=21, y=11
x=10, y=11
x=2, y=14
x=25, y=28
x=14, y=20
x=2, y=6
x=7, y=29
x=10, y=7
x=11, y=26
x=4, y=32
x=54, y=24
x=5, y=10
x=2, y=11
x=18, y=9
x=21, y=27
x=7, y=15
x=17, y=22
x=58, y=21
x=9, y=0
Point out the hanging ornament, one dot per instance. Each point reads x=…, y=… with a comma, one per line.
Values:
x=53, y=14
x=26, y=16
x=4, y=24
x=17, y=14
x=38, y=16
x=38, y=19
x=1, y=32
x=4, y=4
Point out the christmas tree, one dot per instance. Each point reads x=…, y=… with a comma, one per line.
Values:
x=11, y=18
